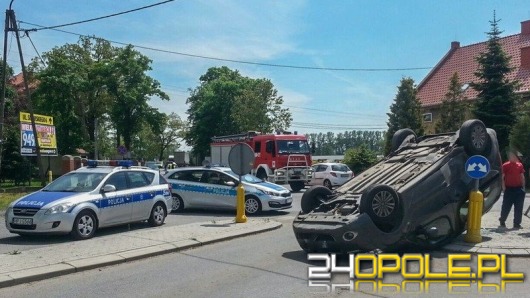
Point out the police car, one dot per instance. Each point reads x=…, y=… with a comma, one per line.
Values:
x=215, y=187
x=102, y=194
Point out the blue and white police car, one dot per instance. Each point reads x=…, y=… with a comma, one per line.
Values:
x=102, y=194
x=215, y=187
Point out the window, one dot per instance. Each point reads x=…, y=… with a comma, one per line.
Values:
x=192, y=176
x=137, y=179
x=427, y=117
x=321, y=168
x=340, y=168
x=149, y=176
x=118, y=180
x=257, y=147
x=293, y=147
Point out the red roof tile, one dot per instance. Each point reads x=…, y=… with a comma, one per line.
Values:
x=435, y=85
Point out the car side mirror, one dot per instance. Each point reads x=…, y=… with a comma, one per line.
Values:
x=230, y=183
x=108, y=188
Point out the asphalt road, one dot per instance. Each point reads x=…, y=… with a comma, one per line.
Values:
x=12, y=242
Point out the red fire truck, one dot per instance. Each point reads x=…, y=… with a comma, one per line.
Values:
x=280, y=158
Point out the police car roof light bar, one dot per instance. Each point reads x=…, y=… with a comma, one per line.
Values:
x=110, y=163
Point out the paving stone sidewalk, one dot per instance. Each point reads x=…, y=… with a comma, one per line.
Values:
x=75, y=256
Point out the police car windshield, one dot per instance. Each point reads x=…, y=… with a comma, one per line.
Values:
x=293, y=146
x=76, y=182
x=245, y=178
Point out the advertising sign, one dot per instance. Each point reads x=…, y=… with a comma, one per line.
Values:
x=45, y=133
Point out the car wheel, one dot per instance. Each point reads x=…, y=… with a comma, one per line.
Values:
x=296, y=186
x=327, y=184
x=382, y=204
x=85, y=225
x=252, y=205
x=474, y=137
x=177, y=204
x=400, y=136
x=158, y=215
x=313, y=197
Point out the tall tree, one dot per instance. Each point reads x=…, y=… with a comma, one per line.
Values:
x=226, y=103
x=405, y=112
x=496, y=100
x=453, y=109
x=131, y=89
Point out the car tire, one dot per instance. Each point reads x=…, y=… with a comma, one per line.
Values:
x=313, y=197
x=158, y=215
x=327, y=184
x=383, y=205
x=297, y=186
x=400, y=136
x=85, y=225
x=252, y=205
x=474, y=137
x=177, y=204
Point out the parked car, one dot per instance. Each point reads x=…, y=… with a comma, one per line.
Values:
x=417, y=196
x=215, y=188
x=92, y=197
x=330, y=174
x=154, y=165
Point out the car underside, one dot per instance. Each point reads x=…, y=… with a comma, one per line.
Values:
x=415, y=197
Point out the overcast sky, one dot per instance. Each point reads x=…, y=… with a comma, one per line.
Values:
x=333, y=34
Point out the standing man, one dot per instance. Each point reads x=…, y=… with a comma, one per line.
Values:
x=513, y=184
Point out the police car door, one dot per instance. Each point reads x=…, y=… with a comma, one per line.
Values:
x=115, y=207
x=142, y=193
x=228, y=191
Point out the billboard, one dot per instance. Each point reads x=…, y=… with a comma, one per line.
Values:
x=45, y=133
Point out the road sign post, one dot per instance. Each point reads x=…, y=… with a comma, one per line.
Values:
x=241, y=160
x=476, y=167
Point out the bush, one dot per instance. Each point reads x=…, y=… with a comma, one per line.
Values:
x=360, y=158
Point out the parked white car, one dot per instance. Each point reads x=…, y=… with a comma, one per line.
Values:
x=330, y=174
x=215, y=188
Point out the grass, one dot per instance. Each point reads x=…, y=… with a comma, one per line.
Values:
x=11, y=184
x=7, y=198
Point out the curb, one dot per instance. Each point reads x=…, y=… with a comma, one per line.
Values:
x=60, y=269
x=475, y=250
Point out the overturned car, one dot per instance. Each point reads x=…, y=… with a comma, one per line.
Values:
x=415, y=197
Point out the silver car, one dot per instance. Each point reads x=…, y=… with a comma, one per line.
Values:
x=215, y=187
x=89, y=198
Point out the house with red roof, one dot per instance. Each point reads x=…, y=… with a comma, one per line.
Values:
x=461, y=59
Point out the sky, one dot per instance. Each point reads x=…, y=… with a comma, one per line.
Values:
x=361, y=34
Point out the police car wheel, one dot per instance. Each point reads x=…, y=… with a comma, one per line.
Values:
x=85, y=225
x=176, y=204
x=252, y=205
x=158, y=215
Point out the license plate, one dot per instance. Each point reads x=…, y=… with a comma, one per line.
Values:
x=23, y=221
x=345, y=175
x=288, y=201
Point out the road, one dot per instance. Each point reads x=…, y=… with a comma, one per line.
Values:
x=264, y=265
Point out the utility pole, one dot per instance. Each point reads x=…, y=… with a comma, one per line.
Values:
x=11, y=26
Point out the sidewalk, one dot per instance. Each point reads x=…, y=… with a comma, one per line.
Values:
x=75, y=256
x=495, y=239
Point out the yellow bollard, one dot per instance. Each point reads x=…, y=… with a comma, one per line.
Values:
x=474, y=217
x=50, y=176
x=240, y=214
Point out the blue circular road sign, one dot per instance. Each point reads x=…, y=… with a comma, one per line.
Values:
x=477, y=167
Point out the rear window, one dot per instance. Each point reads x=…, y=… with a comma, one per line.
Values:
x=162, y=180
x=340, y=168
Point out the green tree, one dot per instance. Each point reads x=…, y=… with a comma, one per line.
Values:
x=496, y=100
x=520, y=135
x=405, y=112
x=227, y=103
x=453, y=109
x=130, y=88
x=360, y=158
x=72, y=88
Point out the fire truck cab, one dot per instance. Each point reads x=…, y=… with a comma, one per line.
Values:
x=280, y=158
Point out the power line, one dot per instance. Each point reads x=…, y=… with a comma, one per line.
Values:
x=35, y=48
x=335, y=112
x=234, y=60
x=100, y=18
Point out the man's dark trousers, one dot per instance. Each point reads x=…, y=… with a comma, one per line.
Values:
x=513, y=196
